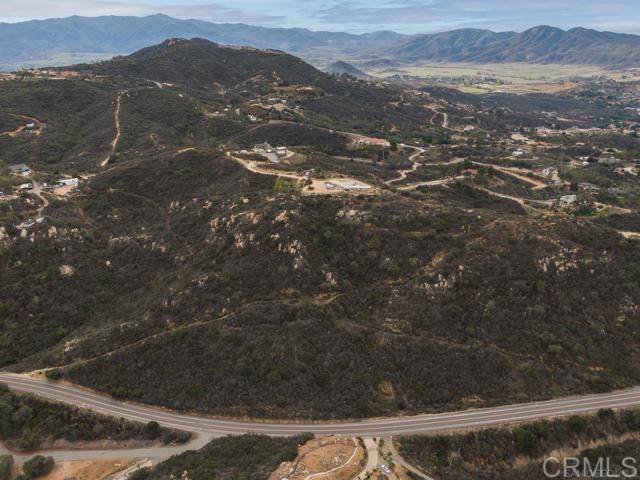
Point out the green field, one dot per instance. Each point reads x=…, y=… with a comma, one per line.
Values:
x=58, y=60
x=506, y=71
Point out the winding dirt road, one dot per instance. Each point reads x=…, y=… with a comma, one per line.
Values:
x=319, y=186
x=22, y=128
x=414, y=164
x=116, y=138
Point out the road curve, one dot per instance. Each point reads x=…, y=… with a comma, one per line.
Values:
x=379, y=427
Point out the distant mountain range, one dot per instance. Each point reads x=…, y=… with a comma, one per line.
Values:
x=541, y=44
x=59, y=41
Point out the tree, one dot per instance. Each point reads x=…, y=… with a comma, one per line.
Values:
x=29, y=440
x=53, y=374
x=140, y=474
x=23, y=415
x=577, y=424
x=6, y=465
x=606, y=413
x=152, y=430
x=6, y=414
x=631, y=419
x=38, y=466
x=526, y=441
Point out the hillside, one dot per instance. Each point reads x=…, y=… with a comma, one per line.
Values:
x=340, y=68
x=537, y=45
x=39, y=41
x=60, y=41
x=519, y=452
x=202, y=64
x=183, y=272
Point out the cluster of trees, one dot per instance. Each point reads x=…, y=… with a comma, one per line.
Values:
x=250, y=457
x=35, y=467
x=26, y=422
x=497, y=453
x=6, y=467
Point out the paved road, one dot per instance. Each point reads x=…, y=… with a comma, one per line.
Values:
x=380, y=427
x=372, y=458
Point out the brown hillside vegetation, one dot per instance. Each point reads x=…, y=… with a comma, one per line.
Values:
x=174, y=276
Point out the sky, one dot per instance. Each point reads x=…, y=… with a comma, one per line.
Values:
x=357, y=16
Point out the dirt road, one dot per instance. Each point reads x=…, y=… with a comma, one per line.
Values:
x=431, y=183
x=414, y=164
x=519, y=173
x=319, y=186
x=116, y=139
x=22, y=128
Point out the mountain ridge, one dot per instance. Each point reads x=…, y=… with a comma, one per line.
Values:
x=38, y=42
x=542, y=44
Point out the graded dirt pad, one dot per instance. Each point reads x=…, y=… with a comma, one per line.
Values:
x=87, y=470
x=335, y=458
x=319, y=186
x=64, y=191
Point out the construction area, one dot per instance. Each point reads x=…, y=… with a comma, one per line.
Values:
x=335, y=457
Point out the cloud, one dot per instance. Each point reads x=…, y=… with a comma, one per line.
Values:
x=407, y=16
x=40, y=9
x=425, y=15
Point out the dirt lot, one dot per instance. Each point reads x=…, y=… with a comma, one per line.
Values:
x=64, y=191
x=87, y=470
x=334, y=458
x=319, y=186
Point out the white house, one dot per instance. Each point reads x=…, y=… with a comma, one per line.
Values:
x=68, y=182
x=589, y=187
x=567, y=200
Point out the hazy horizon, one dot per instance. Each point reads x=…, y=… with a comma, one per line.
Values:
x=354, y=16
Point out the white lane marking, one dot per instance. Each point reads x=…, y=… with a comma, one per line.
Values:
x=494, y=422
x=193, y=421
x=548, y=408
x=142, y=410
x=426, y=422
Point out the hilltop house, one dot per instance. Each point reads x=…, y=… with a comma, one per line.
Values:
x=567, y=200
x=589, y=187
x=371, y=141
x=20, y=170
x=262, y=147
x=68, y=182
